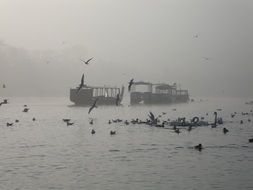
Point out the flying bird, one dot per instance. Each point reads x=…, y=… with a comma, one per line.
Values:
x=151, y=116
x=206, y=58
x=130, y=84
x=87, y=62
x=81, y=85
x=93, y=106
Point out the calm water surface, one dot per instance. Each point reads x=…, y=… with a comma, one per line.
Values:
x=47, y=154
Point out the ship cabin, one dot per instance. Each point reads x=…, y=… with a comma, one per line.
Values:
x=88, y=94
x=161, y=93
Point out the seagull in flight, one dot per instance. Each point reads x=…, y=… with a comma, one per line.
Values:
x=87, y=62
x=151, y=116
x=130, y=84
x=93, y=106
x=81, y=85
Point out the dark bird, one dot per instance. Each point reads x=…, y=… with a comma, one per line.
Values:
x=91, y=122
x=16, y=121
x=93, y=131
x=66, y=120
x=93, y=106
x=26, y=110
x=68, y=123
x=87, y=62
x=81, y=85
x=177, y=131
x=9, y=124
x=109, y=122
x=198, y=147
x=34, y=119
x=225, y=130
x=4, y=86
x=251, y=140
x=130, y=84
x=151, y=116
x=112, y=132
x=117, y=100
x=213, y=125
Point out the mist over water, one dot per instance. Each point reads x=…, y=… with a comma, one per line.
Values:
x=47, y=154
x=204, y=47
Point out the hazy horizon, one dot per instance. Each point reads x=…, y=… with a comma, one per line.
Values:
x=206, y=46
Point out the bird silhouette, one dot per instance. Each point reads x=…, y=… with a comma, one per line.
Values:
x=9, y=124
x=69, y=123
x=81, y=85
x=198, y=147
x=4, y=86
x=130, y=84
x=87, y=62
x=93, y=106
x=26, y=110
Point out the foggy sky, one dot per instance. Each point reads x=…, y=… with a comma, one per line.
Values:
x=42, y=42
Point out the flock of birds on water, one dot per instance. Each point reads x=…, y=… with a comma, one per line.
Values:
x=157, y=121
x=152, y=120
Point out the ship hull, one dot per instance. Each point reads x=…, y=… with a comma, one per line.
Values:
x=86, y=98
x=152, y=98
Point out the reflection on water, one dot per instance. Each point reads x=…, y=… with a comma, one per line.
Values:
x=48, y=154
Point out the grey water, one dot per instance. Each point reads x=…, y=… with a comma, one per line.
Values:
x=48, y=154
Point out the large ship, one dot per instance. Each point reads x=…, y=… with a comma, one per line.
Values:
x=88, y=94
x=160, y=93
